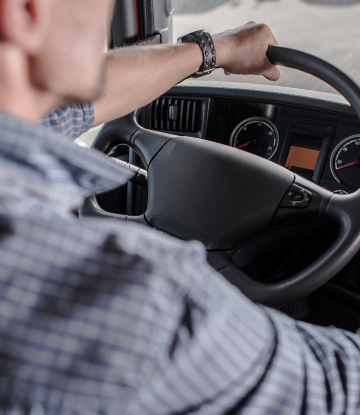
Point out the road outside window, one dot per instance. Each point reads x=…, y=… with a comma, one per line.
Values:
x=326, y=28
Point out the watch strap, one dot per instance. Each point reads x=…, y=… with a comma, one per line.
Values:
x=206, y=43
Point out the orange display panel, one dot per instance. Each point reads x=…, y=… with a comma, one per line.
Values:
x=302, y=157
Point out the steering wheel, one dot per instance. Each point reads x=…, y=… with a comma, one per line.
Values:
x=224, y=197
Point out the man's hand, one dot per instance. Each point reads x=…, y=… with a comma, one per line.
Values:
x=139, y=74
x=243, y=51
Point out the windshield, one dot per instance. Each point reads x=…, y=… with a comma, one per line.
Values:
x=326, y=28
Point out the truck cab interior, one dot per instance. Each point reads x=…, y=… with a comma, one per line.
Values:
x=265, y=176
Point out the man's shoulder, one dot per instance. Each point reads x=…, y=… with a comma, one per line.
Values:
x=88, y=302
x=102, y=248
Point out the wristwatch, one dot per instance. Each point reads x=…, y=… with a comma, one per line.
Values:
x=205, y=41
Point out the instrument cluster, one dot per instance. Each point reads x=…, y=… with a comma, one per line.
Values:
x=305, y=149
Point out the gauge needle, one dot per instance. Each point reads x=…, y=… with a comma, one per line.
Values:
x=244, y=145
x=348, y=165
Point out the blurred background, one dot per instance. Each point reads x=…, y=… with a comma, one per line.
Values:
x=327, y=28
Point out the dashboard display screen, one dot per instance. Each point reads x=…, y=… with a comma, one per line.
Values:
x=303, y=155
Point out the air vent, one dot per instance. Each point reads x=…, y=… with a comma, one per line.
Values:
x=172, y=114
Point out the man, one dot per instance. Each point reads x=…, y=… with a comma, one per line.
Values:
x=106, y=317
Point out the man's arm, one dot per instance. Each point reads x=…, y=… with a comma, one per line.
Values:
x=137, y=75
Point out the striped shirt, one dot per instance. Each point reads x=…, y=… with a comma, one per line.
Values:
x=109, y=317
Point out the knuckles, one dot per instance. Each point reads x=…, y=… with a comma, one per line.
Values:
x=259, y=27
x=263, y=28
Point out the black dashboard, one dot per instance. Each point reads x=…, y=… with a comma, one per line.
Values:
x=317, y=138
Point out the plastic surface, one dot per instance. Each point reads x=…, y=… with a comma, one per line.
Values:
x=271, y=94
x=214, y=193
x=124, y=27
x=92, y=209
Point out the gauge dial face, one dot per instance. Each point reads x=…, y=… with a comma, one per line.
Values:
x=256, y=135
x=345, y=161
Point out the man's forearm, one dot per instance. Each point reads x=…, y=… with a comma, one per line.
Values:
x=137, y=75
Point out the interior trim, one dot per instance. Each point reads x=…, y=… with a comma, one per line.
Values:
x=266, y=93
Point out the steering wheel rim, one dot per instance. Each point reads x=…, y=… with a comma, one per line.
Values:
x=157, y=150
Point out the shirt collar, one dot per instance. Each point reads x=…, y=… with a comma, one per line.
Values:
x=53, y=167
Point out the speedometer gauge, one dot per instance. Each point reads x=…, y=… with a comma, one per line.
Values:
x=256, y=135
x=345, y=161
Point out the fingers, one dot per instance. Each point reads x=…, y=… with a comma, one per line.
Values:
x=272, y=73
x=262, y=38
x=273, y=41
x=243, y=51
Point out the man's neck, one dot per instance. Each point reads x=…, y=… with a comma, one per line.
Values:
x=18, y=96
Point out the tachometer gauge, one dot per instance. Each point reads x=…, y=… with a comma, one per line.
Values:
x=345, y=161
x=256, y=135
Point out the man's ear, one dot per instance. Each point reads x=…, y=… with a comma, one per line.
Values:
x=23, y=22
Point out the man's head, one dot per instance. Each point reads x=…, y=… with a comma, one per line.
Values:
x=52, y=50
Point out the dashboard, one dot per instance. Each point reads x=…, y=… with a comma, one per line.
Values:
x=321, y=145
